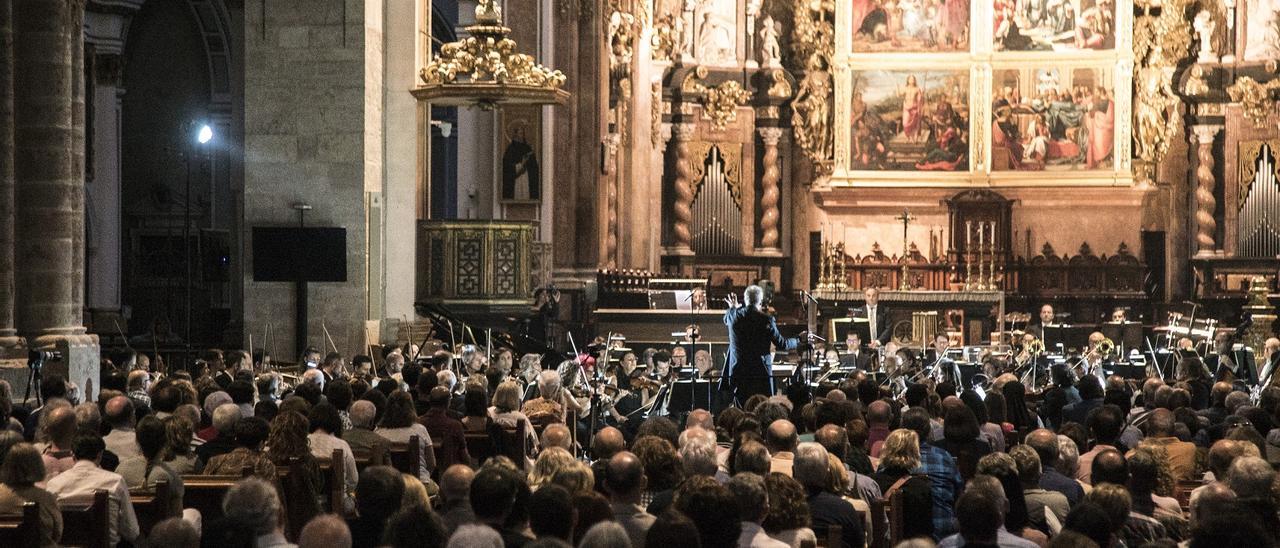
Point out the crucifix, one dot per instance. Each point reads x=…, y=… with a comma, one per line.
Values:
x=904, y=284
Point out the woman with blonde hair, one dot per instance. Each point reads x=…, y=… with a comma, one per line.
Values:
x=550, y=461
x=898, y=457
x=505, y=412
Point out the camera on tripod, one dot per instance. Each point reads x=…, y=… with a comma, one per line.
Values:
x=36, y=358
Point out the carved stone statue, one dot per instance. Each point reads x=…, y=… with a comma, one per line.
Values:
x=770, y=51
x=1204, y=26
x=1151, y=116
x=665, y=41
x=715, y=44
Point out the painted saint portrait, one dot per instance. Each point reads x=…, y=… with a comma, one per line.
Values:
x=930, y=26
x=910, y=120
x=1262, y=30
x=521, y=177
x=1054, y=25
x=1053, y=119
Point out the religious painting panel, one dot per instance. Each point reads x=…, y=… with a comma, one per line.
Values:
x=925, y=26
x=521, y=154
x=1053, y=117
x=1262, y=30
x=1054, y=25
x=910, y=120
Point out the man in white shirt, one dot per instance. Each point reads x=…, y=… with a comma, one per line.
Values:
x=85, y=478
x=121, y=440
x=753, y=499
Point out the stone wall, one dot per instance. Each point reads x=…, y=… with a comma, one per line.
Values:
x=312, y=93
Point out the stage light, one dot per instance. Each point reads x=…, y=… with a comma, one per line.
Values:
x=205, y=135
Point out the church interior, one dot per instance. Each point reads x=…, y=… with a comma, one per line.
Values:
x=399, y=180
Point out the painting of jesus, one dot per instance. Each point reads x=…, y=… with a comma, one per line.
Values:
x=910, y=120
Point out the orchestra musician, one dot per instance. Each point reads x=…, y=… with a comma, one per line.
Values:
x=1047, y=316
x=877, y=318
x=1271, y=360
x=749, y=370
x=855, y=355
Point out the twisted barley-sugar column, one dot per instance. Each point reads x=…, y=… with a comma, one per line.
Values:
x=1206, y=224
x=682, y=237
x=769, y=196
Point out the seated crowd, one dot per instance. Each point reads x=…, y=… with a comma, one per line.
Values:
x=1088, y=462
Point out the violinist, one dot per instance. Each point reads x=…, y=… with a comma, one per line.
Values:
x=500, y=369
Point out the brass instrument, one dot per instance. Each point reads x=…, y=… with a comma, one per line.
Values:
x=1104, y=348
x=1034, y=348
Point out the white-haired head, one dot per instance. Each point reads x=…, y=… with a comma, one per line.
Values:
x=548, y=383
x=753, y=296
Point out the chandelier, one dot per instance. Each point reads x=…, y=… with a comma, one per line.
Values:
x=485, y=70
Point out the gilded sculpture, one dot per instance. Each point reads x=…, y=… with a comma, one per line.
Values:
x=720, y=103
x=1160, y=42
x=1254, y=98
x=811, y=112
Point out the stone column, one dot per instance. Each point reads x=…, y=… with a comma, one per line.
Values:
x=611, y=161
x=49, y=227
x=682, y=210
x=769, y=193
x=48, y=186
x=8, y=335
x=1206, y=203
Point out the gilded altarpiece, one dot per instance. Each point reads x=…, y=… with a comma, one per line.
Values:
x=954, y=93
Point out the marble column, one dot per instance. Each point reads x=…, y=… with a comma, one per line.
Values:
x=769, y=193
x=682, y=209
x=50, y=190
x=8, y=334
x=1206, y=203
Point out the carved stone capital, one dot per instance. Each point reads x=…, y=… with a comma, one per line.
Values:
x=1205, y=133
x=684, y=132
x=771, y=135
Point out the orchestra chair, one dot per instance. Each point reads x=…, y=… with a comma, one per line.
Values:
x=21, y=530
x=84, y=523
x=151, y=506
x=407, y=456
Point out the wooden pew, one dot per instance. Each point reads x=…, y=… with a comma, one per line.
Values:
x=506, y=441
x=204, y=493
x=152, y=506
x=85, y=523
x=21, y=530
x=374, y=457
x=829, y=537
x=334, y=473
x=407, y=456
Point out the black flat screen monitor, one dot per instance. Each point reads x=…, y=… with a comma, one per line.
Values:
x=293, y=254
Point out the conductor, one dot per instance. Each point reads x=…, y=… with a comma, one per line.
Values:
x=749, y=370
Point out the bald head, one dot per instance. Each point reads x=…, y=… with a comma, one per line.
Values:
x=556, y=435
x=60, y=426
x=119, y=412
x=1109, y=466
x=607, y=442
x=833, y=438
x=879, y=413
x=1215, y=495
x=781, y=436
x=455, y=483
x=624, y=475
x=1045, y=442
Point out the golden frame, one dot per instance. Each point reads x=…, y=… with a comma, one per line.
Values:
x=982, y=60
